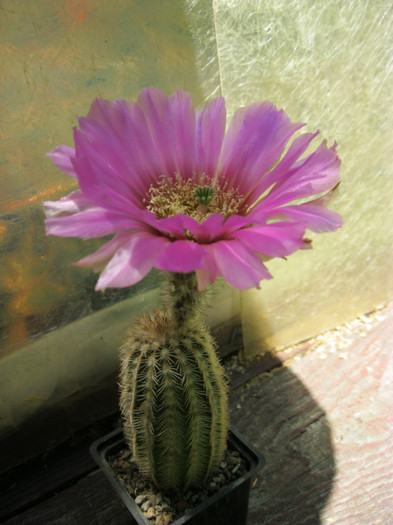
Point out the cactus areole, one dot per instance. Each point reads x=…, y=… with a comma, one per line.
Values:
x=180, y=193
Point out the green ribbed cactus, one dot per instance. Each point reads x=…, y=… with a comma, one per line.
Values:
x=173, y=391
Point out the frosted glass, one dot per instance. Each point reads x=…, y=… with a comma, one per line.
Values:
x=329, y=64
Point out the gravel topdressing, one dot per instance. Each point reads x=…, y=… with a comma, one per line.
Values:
x=163, y=509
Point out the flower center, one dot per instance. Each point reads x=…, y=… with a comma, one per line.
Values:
x=173, y=196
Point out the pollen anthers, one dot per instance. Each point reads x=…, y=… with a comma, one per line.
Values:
x=196, y=198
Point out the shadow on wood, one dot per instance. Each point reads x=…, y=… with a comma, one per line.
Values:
x=277, y=413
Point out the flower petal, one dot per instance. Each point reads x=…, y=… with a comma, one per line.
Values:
x=239, y=266
x=208, y=230
x=281, y=170
x=216, y=227
x=181, y=256
x=90, y=224
x=156, y=109
x=317, y=218
x=121, y=133
x=63, y=156
x=99, y=259
x=175, y=226
x=274, y=240
x=74, y=202
x=254, y=142
x=210, y=131
x=182, y=115
x=99, y=178
x=132, y=261
x=317, y=173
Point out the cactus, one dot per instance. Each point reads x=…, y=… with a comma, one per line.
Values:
x=173, y=391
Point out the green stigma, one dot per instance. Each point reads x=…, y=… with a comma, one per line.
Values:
x=204, y=194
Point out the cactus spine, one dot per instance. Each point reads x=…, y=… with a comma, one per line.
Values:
x=173, y=391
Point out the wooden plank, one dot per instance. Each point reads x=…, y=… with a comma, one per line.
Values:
x=59, y=468
x=91, y=501
x=325, y=425
x=31, y=485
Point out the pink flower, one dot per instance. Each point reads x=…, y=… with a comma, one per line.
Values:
x=141, y=168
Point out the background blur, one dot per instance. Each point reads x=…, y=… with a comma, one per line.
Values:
x=329, y=64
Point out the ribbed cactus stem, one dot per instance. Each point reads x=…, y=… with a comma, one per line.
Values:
x=183, y=298
x=173, y=392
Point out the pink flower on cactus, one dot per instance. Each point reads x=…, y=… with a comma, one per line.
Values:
x=181, y=194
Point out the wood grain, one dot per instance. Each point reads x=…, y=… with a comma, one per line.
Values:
x=326, y=428
x=91, y=501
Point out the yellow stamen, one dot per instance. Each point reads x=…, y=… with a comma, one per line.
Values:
x=173, y=196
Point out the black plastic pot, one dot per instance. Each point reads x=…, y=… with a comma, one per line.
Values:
x=228, y=506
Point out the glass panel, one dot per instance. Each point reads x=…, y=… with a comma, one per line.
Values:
x=328, y=64
x=58, y=56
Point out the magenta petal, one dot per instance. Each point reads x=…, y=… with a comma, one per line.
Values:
x=210, y=229
x=209, y=272
x=99, y=259
x=132, y=261
x=254, y=142
x=120, y=133
x=63, y=156
x=174, y=226
x=171, y=125
x=317, y=173
x=181, y=256
x=182, y=115
x=318, y=219
x=282, y=169
x=74, y=202
x=274, y=240
x=235, y=222
x=215, y=227
x=99, y=178
x=239, y=266
x=109, y=157
x=90, y=224
x=107, y=194
x=209, y=136
x=155, y=106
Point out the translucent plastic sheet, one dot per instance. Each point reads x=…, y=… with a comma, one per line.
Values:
x=329, y=64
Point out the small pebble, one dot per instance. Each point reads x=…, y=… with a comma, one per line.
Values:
x=140, y=499
x=153, y=499
x=145, y=506
x=164, y=519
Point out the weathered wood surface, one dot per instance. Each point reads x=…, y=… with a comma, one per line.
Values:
x=325, y=425
x=91, y=501
x=324, y=422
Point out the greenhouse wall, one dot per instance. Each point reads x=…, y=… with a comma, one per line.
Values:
x=328, y=64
